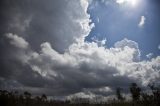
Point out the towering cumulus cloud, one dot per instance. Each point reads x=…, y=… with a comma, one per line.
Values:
x=43, y=50
x=59, y=22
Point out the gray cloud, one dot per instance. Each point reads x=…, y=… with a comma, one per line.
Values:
x=17, y=41
x=52, y=21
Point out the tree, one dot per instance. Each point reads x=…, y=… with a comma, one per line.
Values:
x=44, y=97
x=118, y=94
x=135, y=91
x=155, y=93
x=27, y=95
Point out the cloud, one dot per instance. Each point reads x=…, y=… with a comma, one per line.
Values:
x=106, y=2
x=52, y=21
x=159, y=47
x=26, y=28
x=17, y=41
x=51, y=56
x=86, y=66
x=132, y=3
x=131, y=44
x=142, y=21
x=149, y=55
x=99, y=42
x=97, y=20
x=121, y=1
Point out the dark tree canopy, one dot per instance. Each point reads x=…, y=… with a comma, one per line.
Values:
x=135, y=91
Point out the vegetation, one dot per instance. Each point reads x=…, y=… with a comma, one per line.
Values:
x=139, y=98
x=119, y=95
x=135, y=92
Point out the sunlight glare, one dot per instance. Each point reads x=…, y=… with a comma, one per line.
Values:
x=133, y=2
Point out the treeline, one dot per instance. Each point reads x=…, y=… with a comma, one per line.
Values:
x=139, y=98
x=151, y=97
x=26, y=99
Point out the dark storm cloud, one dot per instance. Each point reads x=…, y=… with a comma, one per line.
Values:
x=67, y=79
x=36, y=21
x=42, y=20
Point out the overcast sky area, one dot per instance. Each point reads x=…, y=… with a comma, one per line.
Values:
x=86, y=48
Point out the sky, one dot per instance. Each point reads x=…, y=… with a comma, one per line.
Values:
x=84, y=48
x=137, y=21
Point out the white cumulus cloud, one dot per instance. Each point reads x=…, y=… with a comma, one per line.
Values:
x=142, y=21
x=149, y=55
x=159, y=47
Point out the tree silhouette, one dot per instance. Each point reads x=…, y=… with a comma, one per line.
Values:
x=26, y=99
x=155, y=93
x=135, y=91
x=27, y=95
x=43, y=97
x=119, y=95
